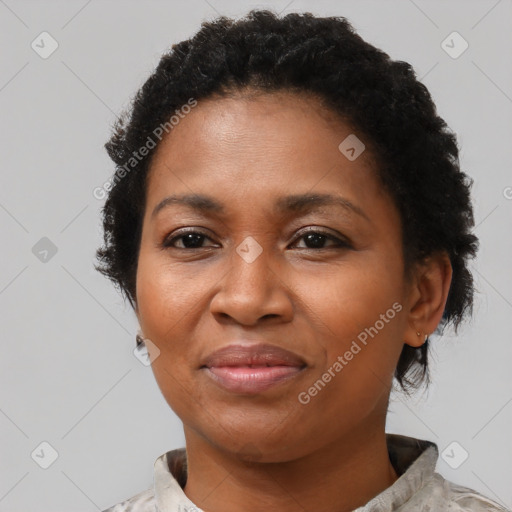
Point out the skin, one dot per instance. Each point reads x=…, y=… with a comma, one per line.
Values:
x=269, y=450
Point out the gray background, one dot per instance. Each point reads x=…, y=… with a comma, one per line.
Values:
x=68, y=375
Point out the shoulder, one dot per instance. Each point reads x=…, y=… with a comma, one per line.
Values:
x=142, y=502
x=469, y=499
x=442, y=495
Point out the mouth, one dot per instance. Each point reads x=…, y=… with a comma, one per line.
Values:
x=252, y=369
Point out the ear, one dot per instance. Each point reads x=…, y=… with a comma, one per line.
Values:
x=427, y=299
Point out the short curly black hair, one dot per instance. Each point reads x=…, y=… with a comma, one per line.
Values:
x=323, y=57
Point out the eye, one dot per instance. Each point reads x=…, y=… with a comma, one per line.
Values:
x=313, y=238
x=316, y=239
x=190, y=239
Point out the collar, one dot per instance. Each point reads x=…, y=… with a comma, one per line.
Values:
x=413, y=459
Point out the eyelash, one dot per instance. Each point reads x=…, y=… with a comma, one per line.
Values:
x=340, y=242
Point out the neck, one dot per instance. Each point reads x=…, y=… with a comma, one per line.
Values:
x=338, y=477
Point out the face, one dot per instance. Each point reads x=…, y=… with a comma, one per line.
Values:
x=284, y=244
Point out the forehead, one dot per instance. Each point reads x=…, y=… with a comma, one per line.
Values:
x=239, y=116
x=265, y=139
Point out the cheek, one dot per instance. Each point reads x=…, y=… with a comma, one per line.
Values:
x=351, y=297
x=358, y=323
x=165, y=301
x=164, y=294
x=171, y=303
x=358, y=313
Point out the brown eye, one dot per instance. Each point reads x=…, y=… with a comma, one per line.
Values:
x=189, y=240
x=315, y=239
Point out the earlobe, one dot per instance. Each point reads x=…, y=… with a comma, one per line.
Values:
x=422, y=338
x=429, y=295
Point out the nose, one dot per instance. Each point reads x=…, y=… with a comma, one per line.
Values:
x=252, y=292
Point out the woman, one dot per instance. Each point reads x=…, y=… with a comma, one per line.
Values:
x=290, y=224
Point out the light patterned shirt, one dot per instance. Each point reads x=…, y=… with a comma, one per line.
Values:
x=418, y=489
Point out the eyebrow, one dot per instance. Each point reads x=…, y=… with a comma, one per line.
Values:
x=299, y=203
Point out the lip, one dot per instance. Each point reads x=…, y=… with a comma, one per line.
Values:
x=252, y=368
